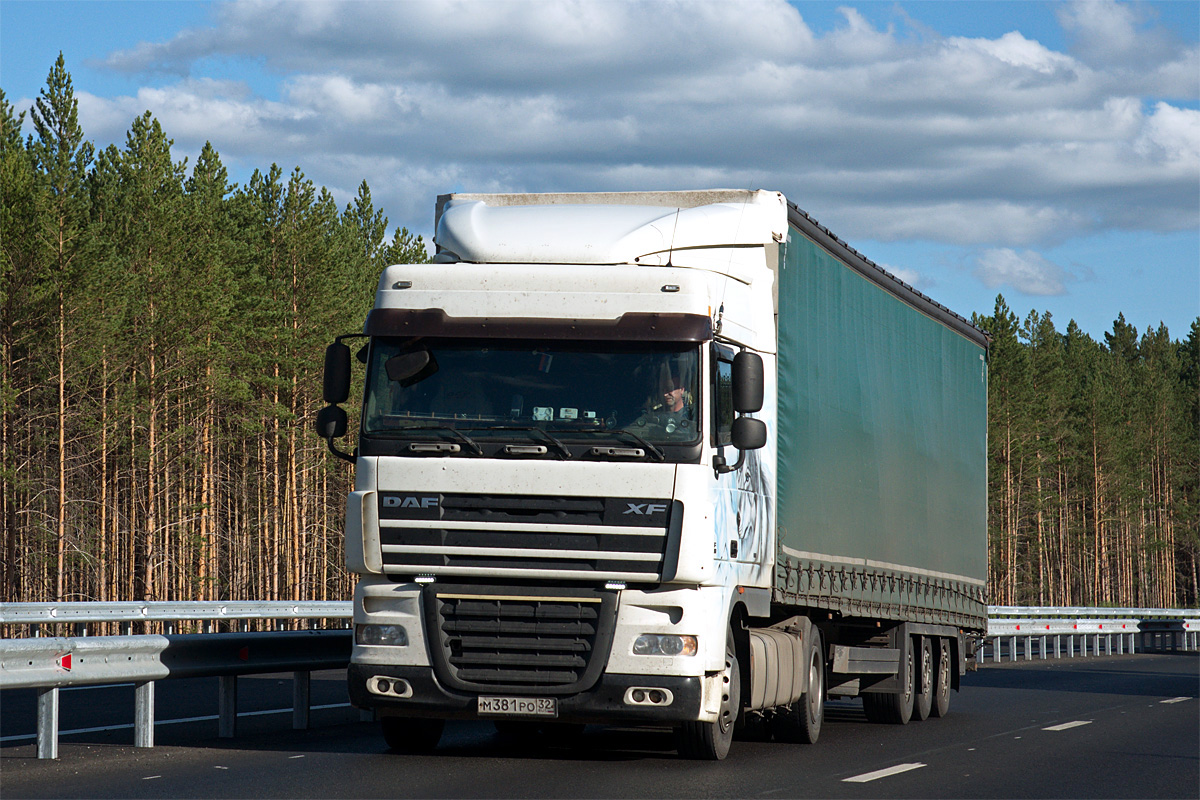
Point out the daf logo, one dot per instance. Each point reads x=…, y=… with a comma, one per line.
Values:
x=410, y=502
x=645, y=509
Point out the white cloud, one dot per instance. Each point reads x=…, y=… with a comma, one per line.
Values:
x=1026, y=271
x=999, y=143
x=910, y=276
x=1107, y=32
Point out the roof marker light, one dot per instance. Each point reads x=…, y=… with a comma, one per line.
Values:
x=402, y=285
x=670, y=287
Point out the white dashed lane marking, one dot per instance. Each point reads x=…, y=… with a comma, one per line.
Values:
x=882, y=773
x=1064, y=726
x=1175, y=700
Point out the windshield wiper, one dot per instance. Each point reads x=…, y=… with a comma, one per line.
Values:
x=454, y=432
x=562, y=448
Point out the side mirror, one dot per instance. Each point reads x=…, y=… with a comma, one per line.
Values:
x=337, y=373
x=748, y=434
x=747, y=383
x=331, y=422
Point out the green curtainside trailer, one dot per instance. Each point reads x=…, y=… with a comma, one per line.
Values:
x=882, y=437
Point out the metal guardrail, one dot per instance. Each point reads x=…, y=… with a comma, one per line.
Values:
x=126, y=613
x=1048, y=612
x=1065, y=632
x=49, y=663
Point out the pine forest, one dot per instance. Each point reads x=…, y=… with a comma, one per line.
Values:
x=163, y=334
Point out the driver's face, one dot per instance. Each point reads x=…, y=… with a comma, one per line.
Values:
x=672, y=395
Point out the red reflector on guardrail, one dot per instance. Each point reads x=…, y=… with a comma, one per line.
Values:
x=244, y=654
x=64, y=662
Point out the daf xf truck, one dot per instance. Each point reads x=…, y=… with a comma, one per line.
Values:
x=679, y=459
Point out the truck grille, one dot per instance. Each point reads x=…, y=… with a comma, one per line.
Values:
x=500, y=641
x=524, y=536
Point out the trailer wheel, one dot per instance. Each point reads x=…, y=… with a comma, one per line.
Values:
x=895, y=708
x=412, y=735
x=941, y=686
x=923, y=701
x=709, y=741
x=801, y=723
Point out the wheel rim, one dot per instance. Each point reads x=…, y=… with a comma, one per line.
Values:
x=944, y=671
x=926, y=668
x=815, y=688
x=727, y=712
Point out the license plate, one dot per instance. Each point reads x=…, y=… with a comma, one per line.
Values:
x=519, y=706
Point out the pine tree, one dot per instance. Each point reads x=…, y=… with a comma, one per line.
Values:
x=21, y=289
x=62, y=157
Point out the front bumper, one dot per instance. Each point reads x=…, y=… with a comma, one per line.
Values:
x=604, y=703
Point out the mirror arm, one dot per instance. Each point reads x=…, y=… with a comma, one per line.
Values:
x=339, y=453
x=721, y=467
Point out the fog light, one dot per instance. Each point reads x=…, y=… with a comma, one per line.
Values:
x=393, y=635
x=638, y=695
x=384, y=686
x=657, y=697
x=664, y=644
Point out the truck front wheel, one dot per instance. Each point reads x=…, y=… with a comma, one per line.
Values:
x=412, y=735
x=709, y=741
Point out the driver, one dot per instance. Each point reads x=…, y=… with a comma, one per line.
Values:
x=673, y=407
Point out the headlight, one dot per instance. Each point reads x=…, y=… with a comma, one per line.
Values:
x=664, y=644
x=394, y=635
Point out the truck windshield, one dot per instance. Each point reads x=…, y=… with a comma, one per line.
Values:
x=575, y=391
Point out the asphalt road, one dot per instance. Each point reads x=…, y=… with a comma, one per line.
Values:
x=1117, y=726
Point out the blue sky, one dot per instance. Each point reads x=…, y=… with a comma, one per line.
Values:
x=1046, y=151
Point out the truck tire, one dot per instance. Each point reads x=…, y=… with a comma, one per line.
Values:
x=895, y=708
x=709, y=741
x=801, y=722
x=412, y=735
x=923, y=701
x=941, y=683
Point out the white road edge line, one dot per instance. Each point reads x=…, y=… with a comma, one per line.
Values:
x=1064, y=726
x=128, y=726
x=882, y=773
x=1175, y=700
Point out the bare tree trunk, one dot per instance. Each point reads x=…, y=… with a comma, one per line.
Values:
x=60, y=545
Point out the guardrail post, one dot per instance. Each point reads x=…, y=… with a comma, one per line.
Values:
x=47, y=722
x=996, y=649
x=143, y=714
x=1057, y=651
x=227, y=707
x=300, y=698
